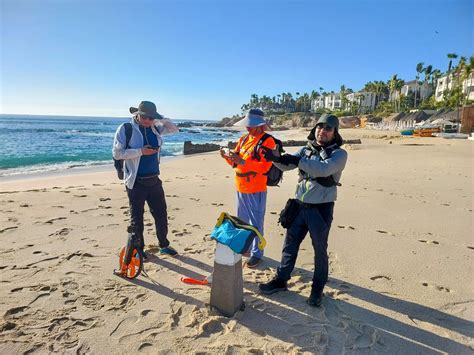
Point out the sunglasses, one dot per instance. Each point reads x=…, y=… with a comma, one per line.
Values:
x=147, y=118
x=325, y=127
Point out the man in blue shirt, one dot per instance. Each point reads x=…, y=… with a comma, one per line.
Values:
x=142, y=169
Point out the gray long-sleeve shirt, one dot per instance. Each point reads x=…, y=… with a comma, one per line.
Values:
x=309, y=190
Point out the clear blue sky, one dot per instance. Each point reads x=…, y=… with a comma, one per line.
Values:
x=203, y=59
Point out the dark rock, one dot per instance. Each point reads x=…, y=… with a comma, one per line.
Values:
x=190, y=148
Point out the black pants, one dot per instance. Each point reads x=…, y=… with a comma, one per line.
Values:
x=155, y=197
x=317, y=220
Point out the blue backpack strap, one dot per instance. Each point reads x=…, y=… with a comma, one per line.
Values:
x=128, y=133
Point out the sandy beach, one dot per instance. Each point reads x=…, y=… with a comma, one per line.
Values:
x=401, y=270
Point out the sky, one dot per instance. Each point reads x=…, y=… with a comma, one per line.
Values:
x=203, y=59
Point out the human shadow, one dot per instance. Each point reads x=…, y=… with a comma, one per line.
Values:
x=412, y=310
x=177, y=268
x=337, y=326
x=339, y=319
x=150, y=284
x=194, y=262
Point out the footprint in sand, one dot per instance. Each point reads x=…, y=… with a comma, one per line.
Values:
x=381, y=231
x=380, y=277
x=217, y=204
x=195, y=199
x=8, y=228
x=80, y=195
x=102, y=199
x=62, y=232
x=193, y=225
x=428, y=241
x=346, y=227
x=436, y=287
x=25, y=205
x=472, y=248
x=50, y=221
x=13, y=311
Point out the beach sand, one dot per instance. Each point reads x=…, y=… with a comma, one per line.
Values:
x=401, y=271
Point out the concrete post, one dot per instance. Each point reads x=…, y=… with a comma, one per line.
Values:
x=227, y=288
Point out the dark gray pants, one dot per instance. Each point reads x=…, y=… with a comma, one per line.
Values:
x=155, y=198
x=317, y=220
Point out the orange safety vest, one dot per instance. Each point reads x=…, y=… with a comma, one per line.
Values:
x=249, y=177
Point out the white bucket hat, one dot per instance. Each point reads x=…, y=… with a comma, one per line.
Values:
x=253, y=118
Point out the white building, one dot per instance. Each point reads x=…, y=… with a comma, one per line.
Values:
x=317, y=103
x=366, y=100
x=424, y=90
x=444, y=84
x=332, y=101
x=468, y=87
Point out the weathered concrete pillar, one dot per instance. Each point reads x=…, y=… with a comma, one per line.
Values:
x=227, y=288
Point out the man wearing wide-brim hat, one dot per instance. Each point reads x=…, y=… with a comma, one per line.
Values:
x=251, y=182
x=320, y=166
x=142, y=169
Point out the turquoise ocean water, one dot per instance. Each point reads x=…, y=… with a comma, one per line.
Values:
x=32, y=144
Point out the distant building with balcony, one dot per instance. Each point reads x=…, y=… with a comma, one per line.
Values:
x=332, y=101
x=446, y=84
x=424, y=90
x=364, y=99
x=317, y=103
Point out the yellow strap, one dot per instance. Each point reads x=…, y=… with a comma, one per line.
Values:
x=261, y=240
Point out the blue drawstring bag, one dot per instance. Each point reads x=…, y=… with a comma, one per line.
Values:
x=236, y=234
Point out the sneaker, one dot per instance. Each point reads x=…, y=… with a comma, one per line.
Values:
x=253, y=262
x=275, y=285
x=143, y=254
x=315, y=299
x=168, y=251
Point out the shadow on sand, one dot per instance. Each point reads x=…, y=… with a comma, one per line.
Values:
x=338, y=325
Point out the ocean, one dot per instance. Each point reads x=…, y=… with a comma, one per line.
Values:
x=34, y=144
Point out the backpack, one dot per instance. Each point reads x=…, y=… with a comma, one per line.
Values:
x=236, y=234
x=274, y=175
x=118, y=163
x=324, y=154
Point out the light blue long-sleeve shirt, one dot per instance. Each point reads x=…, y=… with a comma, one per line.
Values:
x=132, y=154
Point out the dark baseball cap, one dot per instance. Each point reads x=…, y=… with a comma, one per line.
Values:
x=329, y=120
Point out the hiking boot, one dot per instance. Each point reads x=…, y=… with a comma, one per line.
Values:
x=274, y=285
x=168, y=251
x=315, y=299
x=253, y=262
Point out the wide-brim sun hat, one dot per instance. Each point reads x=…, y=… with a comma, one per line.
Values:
x=253, y=118
x=146, y=108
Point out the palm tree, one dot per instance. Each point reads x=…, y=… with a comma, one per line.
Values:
x=419, y=70
x=450, y=56
x=343, y=96
x=391, y=85
x=428, y=70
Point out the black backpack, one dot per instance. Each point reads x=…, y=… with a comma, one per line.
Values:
x=118, y=163
x=274, y=175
